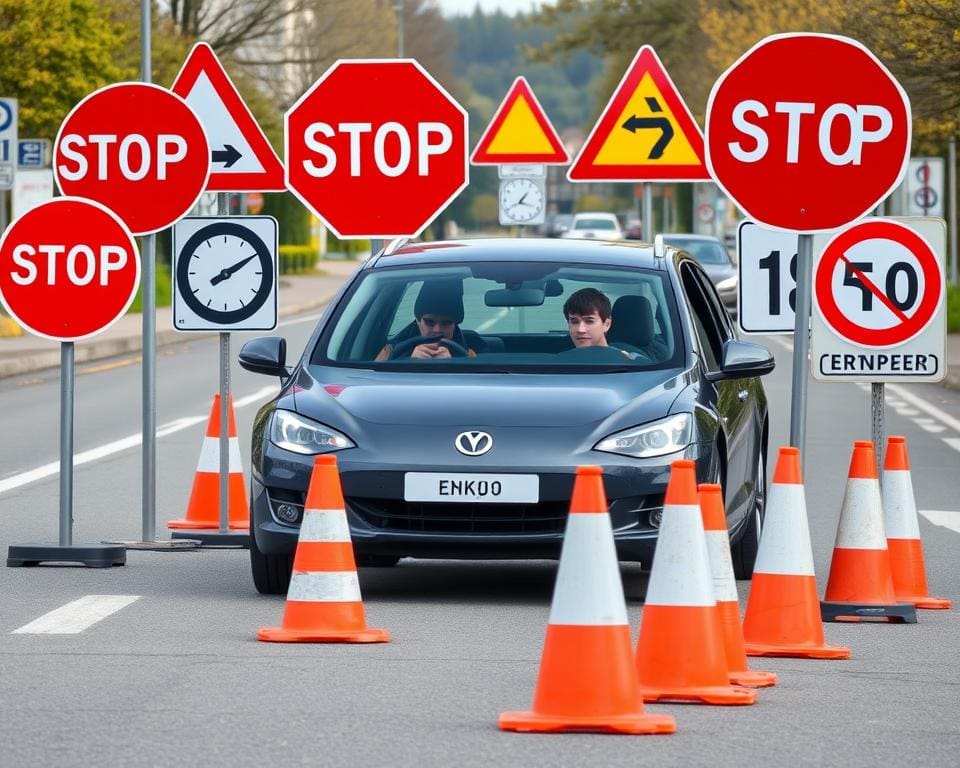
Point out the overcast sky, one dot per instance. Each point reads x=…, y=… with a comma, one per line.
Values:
x=460, y=7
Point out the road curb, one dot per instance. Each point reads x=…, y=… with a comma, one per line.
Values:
x=30, y=362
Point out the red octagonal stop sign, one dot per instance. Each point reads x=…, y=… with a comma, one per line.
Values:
x=807, y=132
x=69, y=268
x=376, y=148
x=138, y=149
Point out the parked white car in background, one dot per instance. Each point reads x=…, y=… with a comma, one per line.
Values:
x=595, y=226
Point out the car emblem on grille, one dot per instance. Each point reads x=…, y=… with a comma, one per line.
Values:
x=473, y=443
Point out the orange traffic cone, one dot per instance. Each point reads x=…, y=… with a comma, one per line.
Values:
x=903, y=531
x=323, y=601
x=860, y=585
x=783, y=612
x=203, y=510
x=680, y=652
x=725, y=589
x=587, y=681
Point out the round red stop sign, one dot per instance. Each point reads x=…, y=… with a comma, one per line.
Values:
x=138, y=149
x=68, y=269
x=376, y=148
x=807, y=132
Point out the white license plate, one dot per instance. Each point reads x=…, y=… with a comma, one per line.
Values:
x=442, y=486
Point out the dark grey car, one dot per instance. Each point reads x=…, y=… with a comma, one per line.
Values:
x=474, y=455
x=715, y=259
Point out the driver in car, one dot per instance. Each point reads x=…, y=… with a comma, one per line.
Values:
x=438, y=311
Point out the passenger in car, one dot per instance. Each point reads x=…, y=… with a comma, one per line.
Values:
x=589, y=317
x=438, y=311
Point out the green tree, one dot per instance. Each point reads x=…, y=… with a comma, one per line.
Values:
x=59, y=51
x=483, y=210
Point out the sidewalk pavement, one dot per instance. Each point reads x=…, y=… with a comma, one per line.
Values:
x=297, y=294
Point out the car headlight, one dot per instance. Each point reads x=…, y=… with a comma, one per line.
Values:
x=658, y=438
x=301, y=435
x=727, y=284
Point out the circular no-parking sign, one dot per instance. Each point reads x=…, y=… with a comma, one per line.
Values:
x=878, y=284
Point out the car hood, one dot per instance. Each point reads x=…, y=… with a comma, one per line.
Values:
x=503, y=400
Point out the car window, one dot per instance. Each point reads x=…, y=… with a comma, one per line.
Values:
x=709, y=333
x=512, y=317
x=594, y=224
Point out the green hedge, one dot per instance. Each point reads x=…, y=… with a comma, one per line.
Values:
x=164, y=289
x=352, y=249
x=295, y=259
x=953, y=308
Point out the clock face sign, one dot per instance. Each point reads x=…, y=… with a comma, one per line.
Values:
x=225, y=273
x=522, y=201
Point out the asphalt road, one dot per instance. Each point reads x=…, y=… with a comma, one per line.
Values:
x=175, y=677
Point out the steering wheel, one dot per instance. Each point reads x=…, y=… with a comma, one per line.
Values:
x=405, y=348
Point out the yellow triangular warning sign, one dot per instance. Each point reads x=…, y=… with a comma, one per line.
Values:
x=519, y=132
x=645, y=133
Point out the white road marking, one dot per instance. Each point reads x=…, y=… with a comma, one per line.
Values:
x=943, y=518
x=782, y=342
x=300, y=319
x=953, y=442
x=931, y=410
x=488, y=323
x=77, y=616
x=930, y=425
x=123, y=444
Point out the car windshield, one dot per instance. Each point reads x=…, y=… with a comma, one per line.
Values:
x=594, y=224
x=500, y=316
x=704, y=251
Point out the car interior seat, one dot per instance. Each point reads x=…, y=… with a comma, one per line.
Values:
x=632, y=322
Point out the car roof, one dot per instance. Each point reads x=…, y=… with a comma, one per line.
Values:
x=521, y=249
x=595, y=215
x=684, y=236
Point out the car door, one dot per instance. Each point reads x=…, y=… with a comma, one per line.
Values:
x=735, y=398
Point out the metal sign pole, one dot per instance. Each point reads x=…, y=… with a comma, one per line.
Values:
x=648, y=211
x=952, y=170
x=222, y=210
x=3, y=210
x=66, y=444
x=876, y=421
x=801, y=344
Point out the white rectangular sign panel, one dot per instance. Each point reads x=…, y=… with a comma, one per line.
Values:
x=925, y=186
x=31, y=187
x=8, y=142
x=766, y=288
x=225, y=273
x=879, y=304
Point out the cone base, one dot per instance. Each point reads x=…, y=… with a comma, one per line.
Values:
x=753, y=678
x=533, y=722
x=722, y=695
x=193, y=525
x=904, y=613
x=281, y=635
x=928, y=603
x=799, y=651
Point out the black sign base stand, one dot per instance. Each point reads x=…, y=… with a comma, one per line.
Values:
x=90, y=555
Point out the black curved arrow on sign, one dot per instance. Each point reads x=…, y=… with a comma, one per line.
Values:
x=634, y=123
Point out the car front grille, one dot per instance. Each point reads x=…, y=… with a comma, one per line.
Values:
x=467, y=518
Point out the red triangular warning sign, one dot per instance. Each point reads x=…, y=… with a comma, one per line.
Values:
x=520, y=132
x=645, y=133
x=242, y=159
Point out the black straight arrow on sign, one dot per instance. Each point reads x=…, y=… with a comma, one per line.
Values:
x=228, y=155
x=634, y=123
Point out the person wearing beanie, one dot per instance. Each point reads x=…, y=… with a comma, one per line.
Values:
x=438, y=311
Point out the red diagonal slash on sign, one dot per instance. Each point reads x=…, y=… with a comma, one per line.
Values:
x=868, y=284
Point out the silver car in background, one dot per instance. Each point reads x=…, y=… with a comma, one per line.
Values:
x=713, y=256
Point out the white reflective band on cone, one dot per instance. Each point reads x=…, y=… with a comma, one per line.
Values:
x=324, y=525
x=861, y=516
x=589, y=590
x=785, y=541
x=325, y=586
x=721, y=567
x=899, y=506
x=681, y=564
x=210, y=456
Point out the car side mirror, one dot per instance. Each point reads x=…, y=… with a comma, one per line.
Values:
x=267, y=355
x=742, y=360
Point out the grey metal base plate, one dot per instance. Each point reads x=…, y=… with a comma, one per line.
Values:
x=215, y=538
x=161, y=545
x=90, y=555
x=905, y=613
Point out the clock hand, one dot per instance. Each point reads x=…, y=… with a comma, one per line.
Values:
x=522, y=198
x=228, y=271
